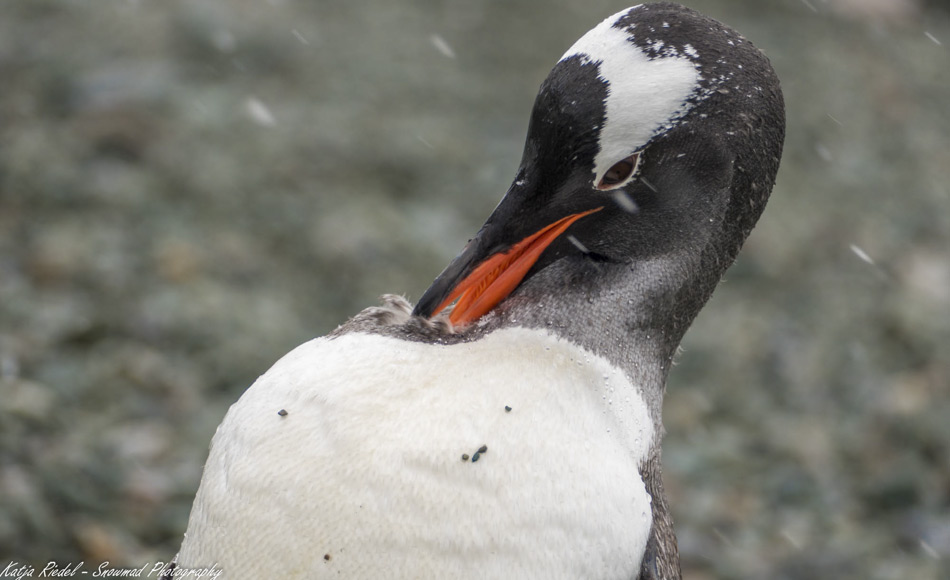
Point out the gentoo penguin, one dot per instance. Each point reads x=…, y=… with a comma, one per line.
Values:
x=518, y=434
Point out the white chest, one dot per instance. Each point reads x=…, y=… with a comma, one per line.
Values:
x=364, y=477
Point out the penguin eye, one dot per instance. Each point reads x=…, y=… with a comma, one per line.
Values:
x=620, y=172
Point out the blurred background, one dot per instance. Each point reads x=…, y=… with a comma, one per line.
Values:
x=189, y=189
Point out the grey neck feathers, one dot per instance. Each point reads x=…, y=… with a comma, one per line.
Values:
x=617, y=311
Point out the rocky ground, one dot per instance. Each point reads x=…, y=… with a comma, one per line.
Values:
x=190, y=189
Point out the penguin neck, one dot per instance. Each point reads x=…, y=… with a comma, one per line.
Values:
x=628, y=313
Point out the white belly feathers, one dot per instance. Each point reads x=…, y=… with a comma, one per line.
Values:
x=363, y=477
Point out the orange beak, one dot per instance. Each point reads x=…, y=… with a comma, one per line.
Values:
x=497, y=277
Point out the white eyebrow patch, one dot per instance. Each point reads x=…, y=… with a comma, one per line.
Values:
x=644, y=94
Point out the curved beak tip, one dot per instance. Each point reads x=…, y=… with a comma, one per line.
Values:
x=493, y=279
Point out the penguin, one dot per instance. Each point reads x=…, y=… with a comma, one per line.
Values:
x=508, y=425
